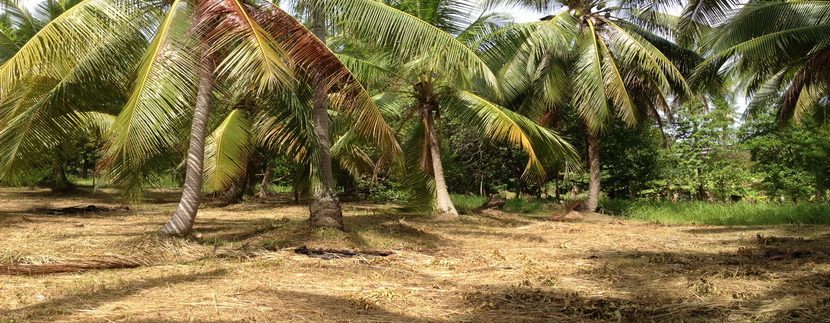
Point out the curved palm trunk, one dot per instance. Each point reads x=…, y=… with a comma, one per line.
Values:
x=182, y=221
x=592, y=202
x=442, y=195
x=325, y=207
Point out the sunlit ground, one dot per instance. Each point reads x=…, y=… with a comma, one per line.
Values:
x=240, y=265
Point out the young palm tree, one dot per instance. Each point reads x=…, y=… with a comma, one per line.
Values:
x=431, y=91
x=592, y=56
x=777, y=47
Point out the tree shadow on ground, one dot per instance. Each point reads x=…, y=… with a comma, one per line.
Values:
x=498, y=218
x=274, y=234
x=785, y=266
x=527, y=304
x=55, y=308
x=315, y=307
x=725, y=229
x=512, y=235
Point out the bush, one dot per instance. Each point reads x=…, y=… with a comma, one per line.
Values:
x=524, y=206
x=723, y=213
x=465, y=203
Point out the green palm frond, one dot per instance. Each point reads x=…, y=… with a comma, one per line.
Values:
x=227, y=151
x=351, y=156
x=367, y=69
x=7, y=45
x=251, y=56
x=161, y=95
x=700, y=15
x=791, y=53
x=408, y=37
x=589, y=95
x=21, y=17
x=41, y=102
x=57, y=47
x=96, y=123
x=500, y=124
x=317, y=64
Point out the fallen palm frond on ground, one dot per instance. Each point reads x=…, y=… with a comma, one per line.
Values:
x=81, y=209
x=328, y=253
x=67, y=266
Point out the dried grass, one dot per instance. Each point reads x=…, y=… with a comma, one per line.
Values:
x=241, y=265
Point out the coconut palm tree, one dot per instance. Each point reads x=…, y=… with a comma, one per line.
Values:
x=429, y=90
x=596, y=57
x=252, y=50
x=781, y=52
x=18, y=24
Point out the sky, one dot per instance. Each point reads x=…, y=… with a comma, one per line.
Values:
x=520, y=14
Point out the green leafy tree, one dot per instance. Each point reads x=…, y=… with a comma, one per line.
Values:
x=706, y=160
x=633, y=158
x=794, y=161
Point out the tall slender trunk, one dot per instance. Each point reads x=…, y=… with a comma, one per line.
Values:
x=182, y=221
x=594, y=187
x=60, y=183
x=265, y=185
x=442, y=194
x=556, y=195
x=325, y=207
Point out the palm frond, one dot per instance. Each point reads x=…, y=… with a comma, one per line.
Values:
x=500, y=124
x=251, y=57
x=408, y=37
x=227, y=151
x=161, y=95
x=589, y=95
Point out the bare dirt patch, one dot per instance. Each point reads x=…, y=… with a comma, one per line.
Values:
x=241, y=265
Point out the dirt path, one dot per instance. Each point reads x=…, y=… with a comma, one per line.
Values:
x=489, y=267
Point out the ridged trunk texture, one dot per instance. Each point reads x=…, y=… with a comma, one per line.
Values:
x=324, y=210
x=594, y=187
x=182, y=221
x=442, y=195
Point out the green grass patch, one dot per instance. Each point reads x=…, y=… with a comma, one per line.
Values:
x=282, y=189
x=525, y=206
x=720, y=213
x=465, y=203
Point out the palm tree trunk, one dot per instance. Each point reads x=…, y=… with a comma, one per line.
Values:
x=592, y=202
x=442, y=195
x=182, y=221
x=265, y=185
x=236, y=193
x=325, y=207
x=60, y=183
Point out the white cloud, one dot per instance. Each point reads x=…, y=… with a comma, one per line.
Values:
x=520, y=14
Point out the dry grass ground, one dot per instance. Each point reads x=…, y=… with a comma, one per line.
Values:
x=487, y=267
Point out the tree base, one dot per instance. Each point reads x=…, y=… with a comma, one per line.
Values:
x=326, y=213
